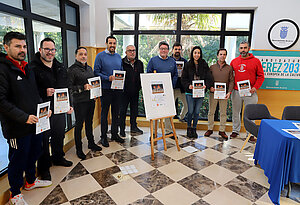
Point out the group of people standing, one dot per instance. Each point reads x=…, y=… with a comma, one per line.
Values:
x=23, y=86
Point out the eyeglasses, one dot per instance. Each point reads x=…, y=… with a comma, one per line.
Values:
x=131, y=51
x=53, y=50
x=163, y=49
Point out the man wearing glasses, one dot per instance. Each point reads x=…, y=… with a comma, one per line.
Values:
x=164, y=64
x=50, y=75
x=133, y=67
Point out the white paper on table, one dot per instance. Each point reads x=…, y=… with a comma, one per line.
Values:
x=190, y=149
x=61, y=101
x=179, y=65
x=158, y=95
x=96, y=90
x=118, y=83
x=43, y=124
x=198, y=88
x=294, y=132
x=244, y=88
x=297, y=124
x=220, y=91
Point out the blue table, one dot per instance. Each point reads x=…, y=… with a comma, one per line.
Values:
x=278, y=154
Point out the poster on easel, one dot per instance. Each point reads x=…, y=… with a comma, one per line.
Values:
x=158, y=95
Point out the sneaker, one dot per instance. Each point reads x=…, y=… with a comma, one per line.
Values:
x=94, y=147
x=136, y=130
x=208, y=133
x=63, y=162
x=117, y=138
x=37, y=184
x=223, y=135
x=17, y=200
x=104, y=142
x=45, y=175
x=233, y=135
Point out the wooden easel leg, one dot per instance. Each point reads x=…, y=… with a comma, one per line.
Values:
x=174, y=133
x=155, y=136
x=152, y=140
x=247, y=139
x=163, y=133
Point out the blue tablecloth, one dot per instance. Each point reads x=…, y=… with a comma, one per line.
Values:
x=278, y=154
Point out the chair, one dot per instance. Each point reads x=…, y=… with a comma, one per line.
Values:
x=291, y=113
x=254, y=112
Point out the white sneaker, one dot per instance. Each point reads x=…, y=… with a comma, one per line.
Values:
x=18, y=200
x=37, y=183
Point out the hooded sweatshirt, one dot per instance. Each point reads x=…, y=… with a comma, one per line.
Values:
x=249, y=68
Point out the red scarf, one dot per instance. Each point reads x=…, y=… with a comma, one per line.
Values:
x=17, y=64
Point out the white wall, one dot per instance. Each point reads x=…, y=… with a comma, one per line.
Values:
x=266, y=13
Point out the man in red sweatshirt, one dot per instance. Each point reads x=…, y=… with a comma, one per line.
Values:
x=245, y=67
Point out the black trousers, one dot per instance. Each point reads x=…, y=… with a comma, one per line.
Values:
x=131, y=99
x=84, y=112
x=110, y=98
x=57, y=134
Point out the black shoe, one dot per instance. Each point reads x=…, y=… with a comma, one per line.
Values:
x=136, y=130
x=122, y=133
x=117, y=138
x=189, y=132
x=194, y=133
x=45, y=175
x=104, y=142
x=94, y=147
x=63, y=162
x=81, y=155
x=176, y=117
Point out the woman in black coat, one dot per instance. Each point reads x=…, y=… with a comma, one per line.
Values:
x=195, y=69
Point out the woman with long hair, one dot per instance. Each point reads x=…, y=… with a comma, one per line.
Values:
x=195, y=69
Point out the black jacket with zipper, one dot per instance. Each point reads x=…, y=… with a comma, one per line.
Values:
x=189, y=72
x=19, y=97
x=78, y=76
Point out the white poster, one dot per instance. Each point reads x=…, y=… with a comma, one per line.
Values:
x=294, y=132
x=61, y=101
x=297, y=124
x=43, y=124
x=244, y=88
x=198, y=88
x=96, y=90
x=220, y=91
x=179, y=65
x=158, y=96
x=118, y=82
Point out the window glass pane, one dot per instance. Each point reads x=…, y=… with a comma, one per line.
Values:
x=70, y=15
x=14, y=3
x=72, y=45
x=43, y=30
x=123, y=22
x=197, y=21
x=160, y=21
x=232, y=45
x=9, y=23
x=237, y=22
x=122, y=42
x=46, y=8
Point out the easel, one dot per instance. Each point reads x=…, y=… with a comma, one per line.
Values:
x=163, y=137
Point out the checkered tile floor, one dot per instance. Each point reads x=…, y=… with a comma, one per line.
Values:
x=216, y=174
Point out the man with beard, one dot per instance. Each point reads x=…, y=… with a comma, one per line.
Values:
x=50, y=75
x=105, y=63
x=246, y=67
x=19, y=97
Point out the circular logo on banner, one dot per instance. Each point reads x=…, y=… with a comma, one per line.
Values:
x=283, y=34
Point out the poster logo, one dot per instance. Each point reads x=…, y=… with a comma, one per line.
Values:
x=283, y=32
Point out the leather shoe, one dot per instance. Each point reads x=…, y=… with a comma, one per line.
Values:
x=234, y=135
x=104, y=142
x=63, y=162
x=94, y=147
x=136, y=130
x=117, y=138
x=122, y=133
x=223, y=135
x=81, y=155
x=252, y=139
x=208, y=133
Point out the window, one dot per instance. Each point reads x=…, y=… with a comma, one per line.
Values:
x=210, y=30
x=46, y=8
x=14, y=3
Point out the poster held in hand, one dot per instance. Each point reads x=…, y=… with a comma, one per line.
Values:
x=118, y=82
x=61, y=101
x=244, y=88
x=220, y=91
x=198, y=88
x=179, y=65
x=95, y=92
x=43, y=124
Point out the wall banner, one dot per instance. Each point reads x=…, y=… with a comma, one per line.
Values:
x=281, y=68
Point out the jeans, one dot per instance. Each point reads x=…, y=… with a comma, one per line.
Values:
x=194, y=105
